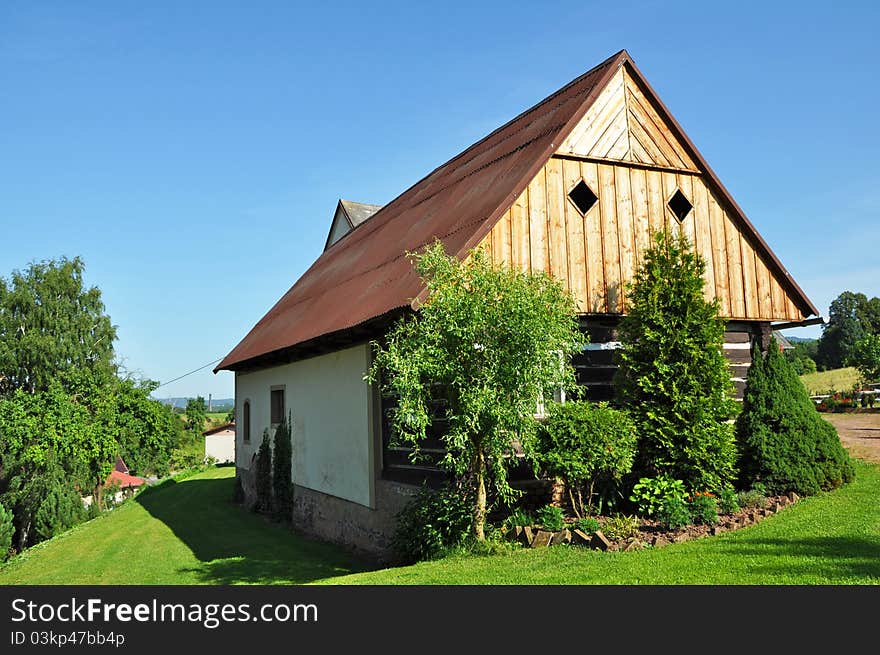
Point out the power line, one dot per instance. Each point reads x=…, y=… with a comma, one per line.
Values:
x=190, y=373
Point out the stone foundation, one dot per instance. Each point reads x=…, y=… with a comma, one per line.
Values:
x=355, y=527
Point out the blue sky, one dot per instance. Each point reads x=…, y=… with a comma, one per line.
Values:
x=192, y=153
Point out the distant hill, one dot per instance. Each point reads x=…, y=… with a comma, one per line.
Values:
x=801, y=339
x=217, y=404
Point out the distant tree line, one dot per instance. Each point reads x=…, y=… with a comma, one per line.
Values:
x=67, y=409
x=851, y=337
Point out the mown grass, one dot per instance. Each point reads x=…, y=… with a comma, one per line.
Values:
x=829, y=539
x=185, y=531
x=188, y=532
x=838, y=379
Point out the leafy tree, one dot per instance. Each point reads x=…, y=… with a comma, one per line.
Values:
x=842, y=331
x=803, y=356
x=866, y=357
x=673, y=375
x=68, y=428
x=196, y=415
x=51, y=325
x=784, y=443
x=282, y=475
x=585, y=445
x=496, y=341
x=868, y=313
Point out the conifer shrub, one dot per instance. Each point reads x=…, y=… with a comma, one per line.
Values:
x=60, y=509
x=263, y=475
x=673, y=376
x=7, y=530
x=784, y=444
x=282, y=475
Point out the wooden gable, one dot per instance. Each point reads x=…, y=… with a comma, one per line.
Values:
x=633, y=161
x=625, y=125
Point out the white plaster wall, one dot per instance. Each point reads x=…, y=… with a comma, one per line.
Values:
x=332, y=422
x=221, y=446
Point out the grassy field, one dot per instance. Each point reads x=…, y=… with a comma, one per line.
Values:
x=838, y=379
x=833, y=538
x=186, y=532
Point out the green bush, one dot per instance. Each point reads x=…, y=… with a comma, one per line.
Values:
x=621, y=526
x=673, y=375
x=752, y=499
x=674, y=513
x=588, y=525
x=585, y=445
x=263, y=475
x=7, y=529
x=784, y=444
x=519, y=517
x=727, y=501
x=432, y=524
x=704, y=509
x=551, y=517
x=649, y=494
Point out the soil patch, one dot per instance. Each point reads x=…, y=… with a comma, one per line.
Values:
x=859, y=433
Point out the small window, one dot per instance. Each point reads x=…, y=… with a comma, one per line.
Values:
x=583, y=197
x=246, y=421
x=680, y=205
x=277, y=405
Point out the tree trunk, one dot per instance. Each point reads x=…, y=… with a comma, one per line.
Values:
x=98, y=496
x=480, y=506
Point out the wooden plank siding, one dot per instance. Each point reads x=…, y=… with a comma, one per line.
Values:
x=597, y=254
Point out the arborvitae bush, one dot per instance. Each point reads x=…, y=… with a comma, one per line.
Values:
x=785, y=445
x=263, y=475
x=673, y=376
x=282, y=478
x=7, y=529
x=60, y=509
x=585, y=445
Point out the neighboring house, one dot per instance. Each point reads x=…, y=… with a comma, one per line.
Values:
x=121, y=478
x=784, y=344
x=220, y=443
x=572, y=186
x=348, y=216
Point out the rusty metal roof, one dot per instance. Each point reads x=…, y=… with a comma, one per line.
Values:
x=367, y=273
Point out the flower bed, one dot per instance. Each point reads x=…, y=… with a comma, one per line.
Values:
x=648, y=532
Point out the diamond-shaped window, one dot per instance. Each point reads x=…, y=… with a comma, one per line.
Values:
x=680, y=205
x=583, y=197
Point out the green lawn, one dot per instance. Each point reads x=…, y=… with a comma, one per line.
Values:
x=188, y=532
x=837, y=379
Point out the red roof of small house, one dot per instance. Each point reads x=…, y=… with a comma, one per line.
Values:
x=124, y=480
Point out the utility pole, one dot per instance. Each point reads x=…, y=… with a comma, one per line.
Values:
x=209, y=403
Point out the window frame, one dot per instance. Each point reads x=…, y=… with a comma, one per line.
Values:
x=277, y=388
x=246, y=421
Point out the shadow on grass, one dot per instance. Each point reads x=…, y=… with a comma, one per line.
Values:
x=835, y=558
x=236, y=546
